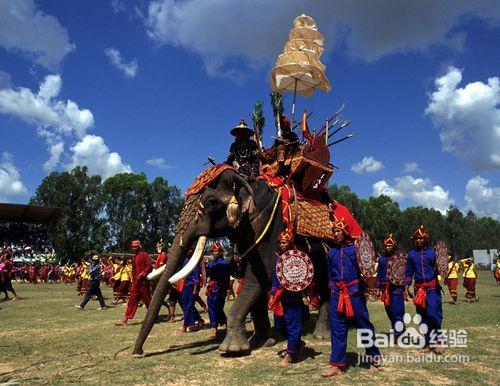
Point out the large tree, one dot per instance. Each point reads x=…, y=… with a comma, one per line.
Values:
x=80, y=219
x=139, y=210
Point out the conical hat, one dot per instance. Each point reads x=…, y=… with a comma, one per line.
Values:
x=242, y=128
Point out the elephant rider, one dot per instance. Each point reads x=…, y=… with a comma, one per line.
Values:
x=347, y=301
x=141, y=266
x=282, y=149
x=392, y=295
x=420, y=266
x=288, y=308
x=244, y=152
x=218, y=270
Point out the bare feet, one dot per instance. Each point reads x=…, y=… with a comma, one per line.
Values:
x=287, y=360
x=374, y=368
x=333, y=371
x=181, y=331
x=214, y=333
x=122, y=322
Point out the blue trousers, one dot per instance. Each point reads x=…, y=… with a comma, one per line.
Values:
x=215, y=303
x=190, y=312
x=396, y=309
x=290, y=325
x=339, y=326
x=432, y=314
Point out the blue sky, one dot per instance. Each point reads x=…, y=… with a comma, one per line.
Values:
x=155, y=86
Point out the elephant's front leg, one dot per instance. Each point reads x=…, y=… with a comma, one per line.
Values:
x=253, y=297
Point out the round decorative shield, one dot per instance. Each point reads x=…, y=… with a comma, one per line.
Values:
x=365, y=254
x=294, y=270
x=441, y=251
x=396, y=268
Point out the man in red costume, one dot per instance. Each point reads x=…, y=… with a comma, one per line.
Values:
x=141, y=266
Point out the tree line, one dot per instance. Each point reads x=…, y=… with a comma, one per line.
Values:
x=107, y=215
x=98, y=215
x=380, y=216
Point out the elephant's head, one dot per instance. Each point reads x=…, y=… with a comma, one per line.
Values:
x=221, y=209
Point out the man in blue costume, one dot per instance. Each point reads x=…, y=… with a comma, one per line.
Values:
x=392, y=295
x=347, y=300
x=187, y=288
x=288, y=308
x=218, y=270
x=421, y=267
x=94, y=286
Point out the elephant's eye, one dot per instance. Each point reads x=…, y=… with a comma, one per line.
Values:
x=212, y=201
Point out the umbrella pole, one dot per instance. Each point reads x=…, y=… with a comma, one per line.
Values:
x=293, y=104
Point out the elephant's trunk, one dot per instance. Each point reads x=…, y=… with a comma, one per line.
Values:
x=177, y=252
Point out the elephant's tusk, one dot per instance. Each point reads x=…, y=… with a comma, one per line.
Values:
x=155, y=273
x=192, y=263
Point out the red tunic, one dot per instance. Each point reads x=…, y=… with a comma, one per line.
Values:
x=141, y=266
x=162, y=260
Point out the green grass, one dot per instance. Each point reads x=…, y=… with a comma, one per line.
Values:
x=45, y=340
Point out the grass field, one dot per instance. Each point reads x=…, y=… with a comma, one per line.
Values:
x=45, y=340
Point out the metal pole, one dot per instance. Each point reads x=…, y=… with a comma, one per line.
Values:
x=293, y=104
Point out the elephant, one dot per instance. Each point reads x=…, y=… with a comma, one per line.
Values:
x=246, y=213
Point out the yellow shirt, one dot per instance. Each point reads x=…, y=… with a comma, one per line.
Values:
x=85, y=271
x=469, y=270
x=498, y=264
x=376, y=270
x=453, y=269
x=117, y=269
x=126, y=273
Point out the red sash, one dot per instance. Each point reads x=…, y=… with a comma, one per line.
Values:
x=420, y=298
x=345, y=304
x=385, y=295
x=274, y=304
x=210, y=287
x=180, y=285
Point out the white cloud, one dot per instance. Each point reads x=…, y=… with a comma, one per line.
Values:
x=415, y=191
x=468, y=118
x=249, y=33
x=158, y=162
x=11, y=185
x=93, y=152
x=129, y=69
x=367, y=165
x=34, y=34
x=412, y=167
x=53, y=118
x=481, y=199
x=59, y=122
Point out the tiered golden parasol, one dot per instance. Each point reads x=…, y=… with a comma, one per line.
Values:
x=298, y=69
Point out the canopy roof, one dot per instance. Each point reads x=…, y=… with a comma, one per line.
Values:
x=27, y=213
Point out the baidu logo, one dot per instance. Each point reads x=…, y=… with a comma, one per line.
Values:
x=405, y=334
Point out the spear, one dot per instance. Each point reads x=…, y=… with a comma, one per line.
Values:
x=346, y=123
x=335, y=114
x=342, y=139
